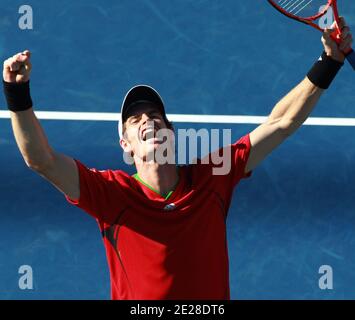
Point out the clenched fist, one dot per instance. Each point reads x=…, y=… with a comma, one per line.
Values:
x=345, y=39
x=17, y=68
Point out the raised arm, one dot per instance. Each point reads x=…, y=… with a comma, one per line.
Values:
x=32, y=142
x=291, y=111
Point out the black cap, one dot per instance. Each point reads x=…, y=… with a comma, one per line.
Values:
x=136, y=95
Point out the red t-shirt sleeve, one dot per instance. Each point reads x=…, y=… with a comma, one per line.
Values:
x=240, y=154
x=101, y=195
x=226, y=165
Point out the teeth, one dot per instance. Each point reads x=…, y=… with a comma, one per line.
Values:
x=150, y=132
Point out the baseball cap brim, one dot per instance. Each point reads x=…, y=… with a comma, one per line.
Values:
x=136, y=95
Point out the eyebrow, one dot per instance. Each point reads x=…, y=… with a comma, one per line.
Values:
x=149, y=112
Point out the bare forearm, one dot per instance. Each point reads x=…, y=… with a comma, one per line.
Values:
x=296, y=106
x=31, y=139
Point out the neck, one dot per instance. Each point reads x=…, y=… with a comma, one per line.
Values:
x=162, y=178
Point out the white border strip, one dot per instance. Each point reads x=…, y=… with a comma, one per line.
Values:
x=184, y=118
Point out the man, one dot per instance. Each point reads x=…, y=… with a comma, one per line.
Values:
x=164, y=228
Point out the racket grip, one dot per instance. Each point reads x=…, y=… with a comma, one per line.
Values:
x=349, y=53
x=350, y=56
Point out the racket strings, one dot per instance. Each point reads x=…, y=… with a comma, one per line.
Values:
x=295, y=6
x=302, y=8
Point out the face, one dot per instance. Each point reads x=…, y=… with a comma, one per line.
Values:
x=145, y=132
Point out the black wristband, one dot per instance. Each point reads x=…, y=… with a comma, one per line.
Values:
x=324, y=71
x=18, y=96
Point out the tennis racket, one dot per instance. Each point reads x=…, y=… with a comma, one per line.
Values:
x=312, y=12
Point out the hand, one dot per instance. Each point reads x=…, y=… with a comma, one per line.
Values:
x=17, y=69
x=333, y=49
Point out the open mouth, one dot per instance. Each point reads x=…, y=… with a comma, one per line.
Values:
x=148, y=133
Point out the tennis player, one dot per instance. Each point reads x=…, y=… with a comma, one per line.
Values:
x=164, y=229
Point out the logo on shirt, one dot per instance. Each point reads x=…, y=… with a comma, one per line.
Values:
x=170, y=207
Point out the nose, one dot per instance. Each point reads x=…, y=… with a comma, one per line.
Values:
x=145, y=117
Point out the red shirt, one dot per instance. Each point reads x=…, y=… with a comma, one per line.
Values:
x=165, y=249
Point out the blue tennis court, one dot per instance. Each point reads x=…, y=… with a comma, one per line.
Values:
x=296, y=213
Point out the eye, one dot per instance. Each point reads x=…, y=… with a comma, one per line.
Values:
x=133, y=120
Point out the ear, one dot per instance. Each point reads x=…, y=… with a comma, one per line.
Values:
x=126, y=146
x=127, y=152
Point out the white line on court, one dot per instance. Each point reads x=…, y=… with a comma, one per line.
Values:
x=183, y=118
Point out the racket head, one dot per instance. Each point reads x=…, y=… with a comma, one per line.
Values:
x=308, y=11
x=302, y=10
